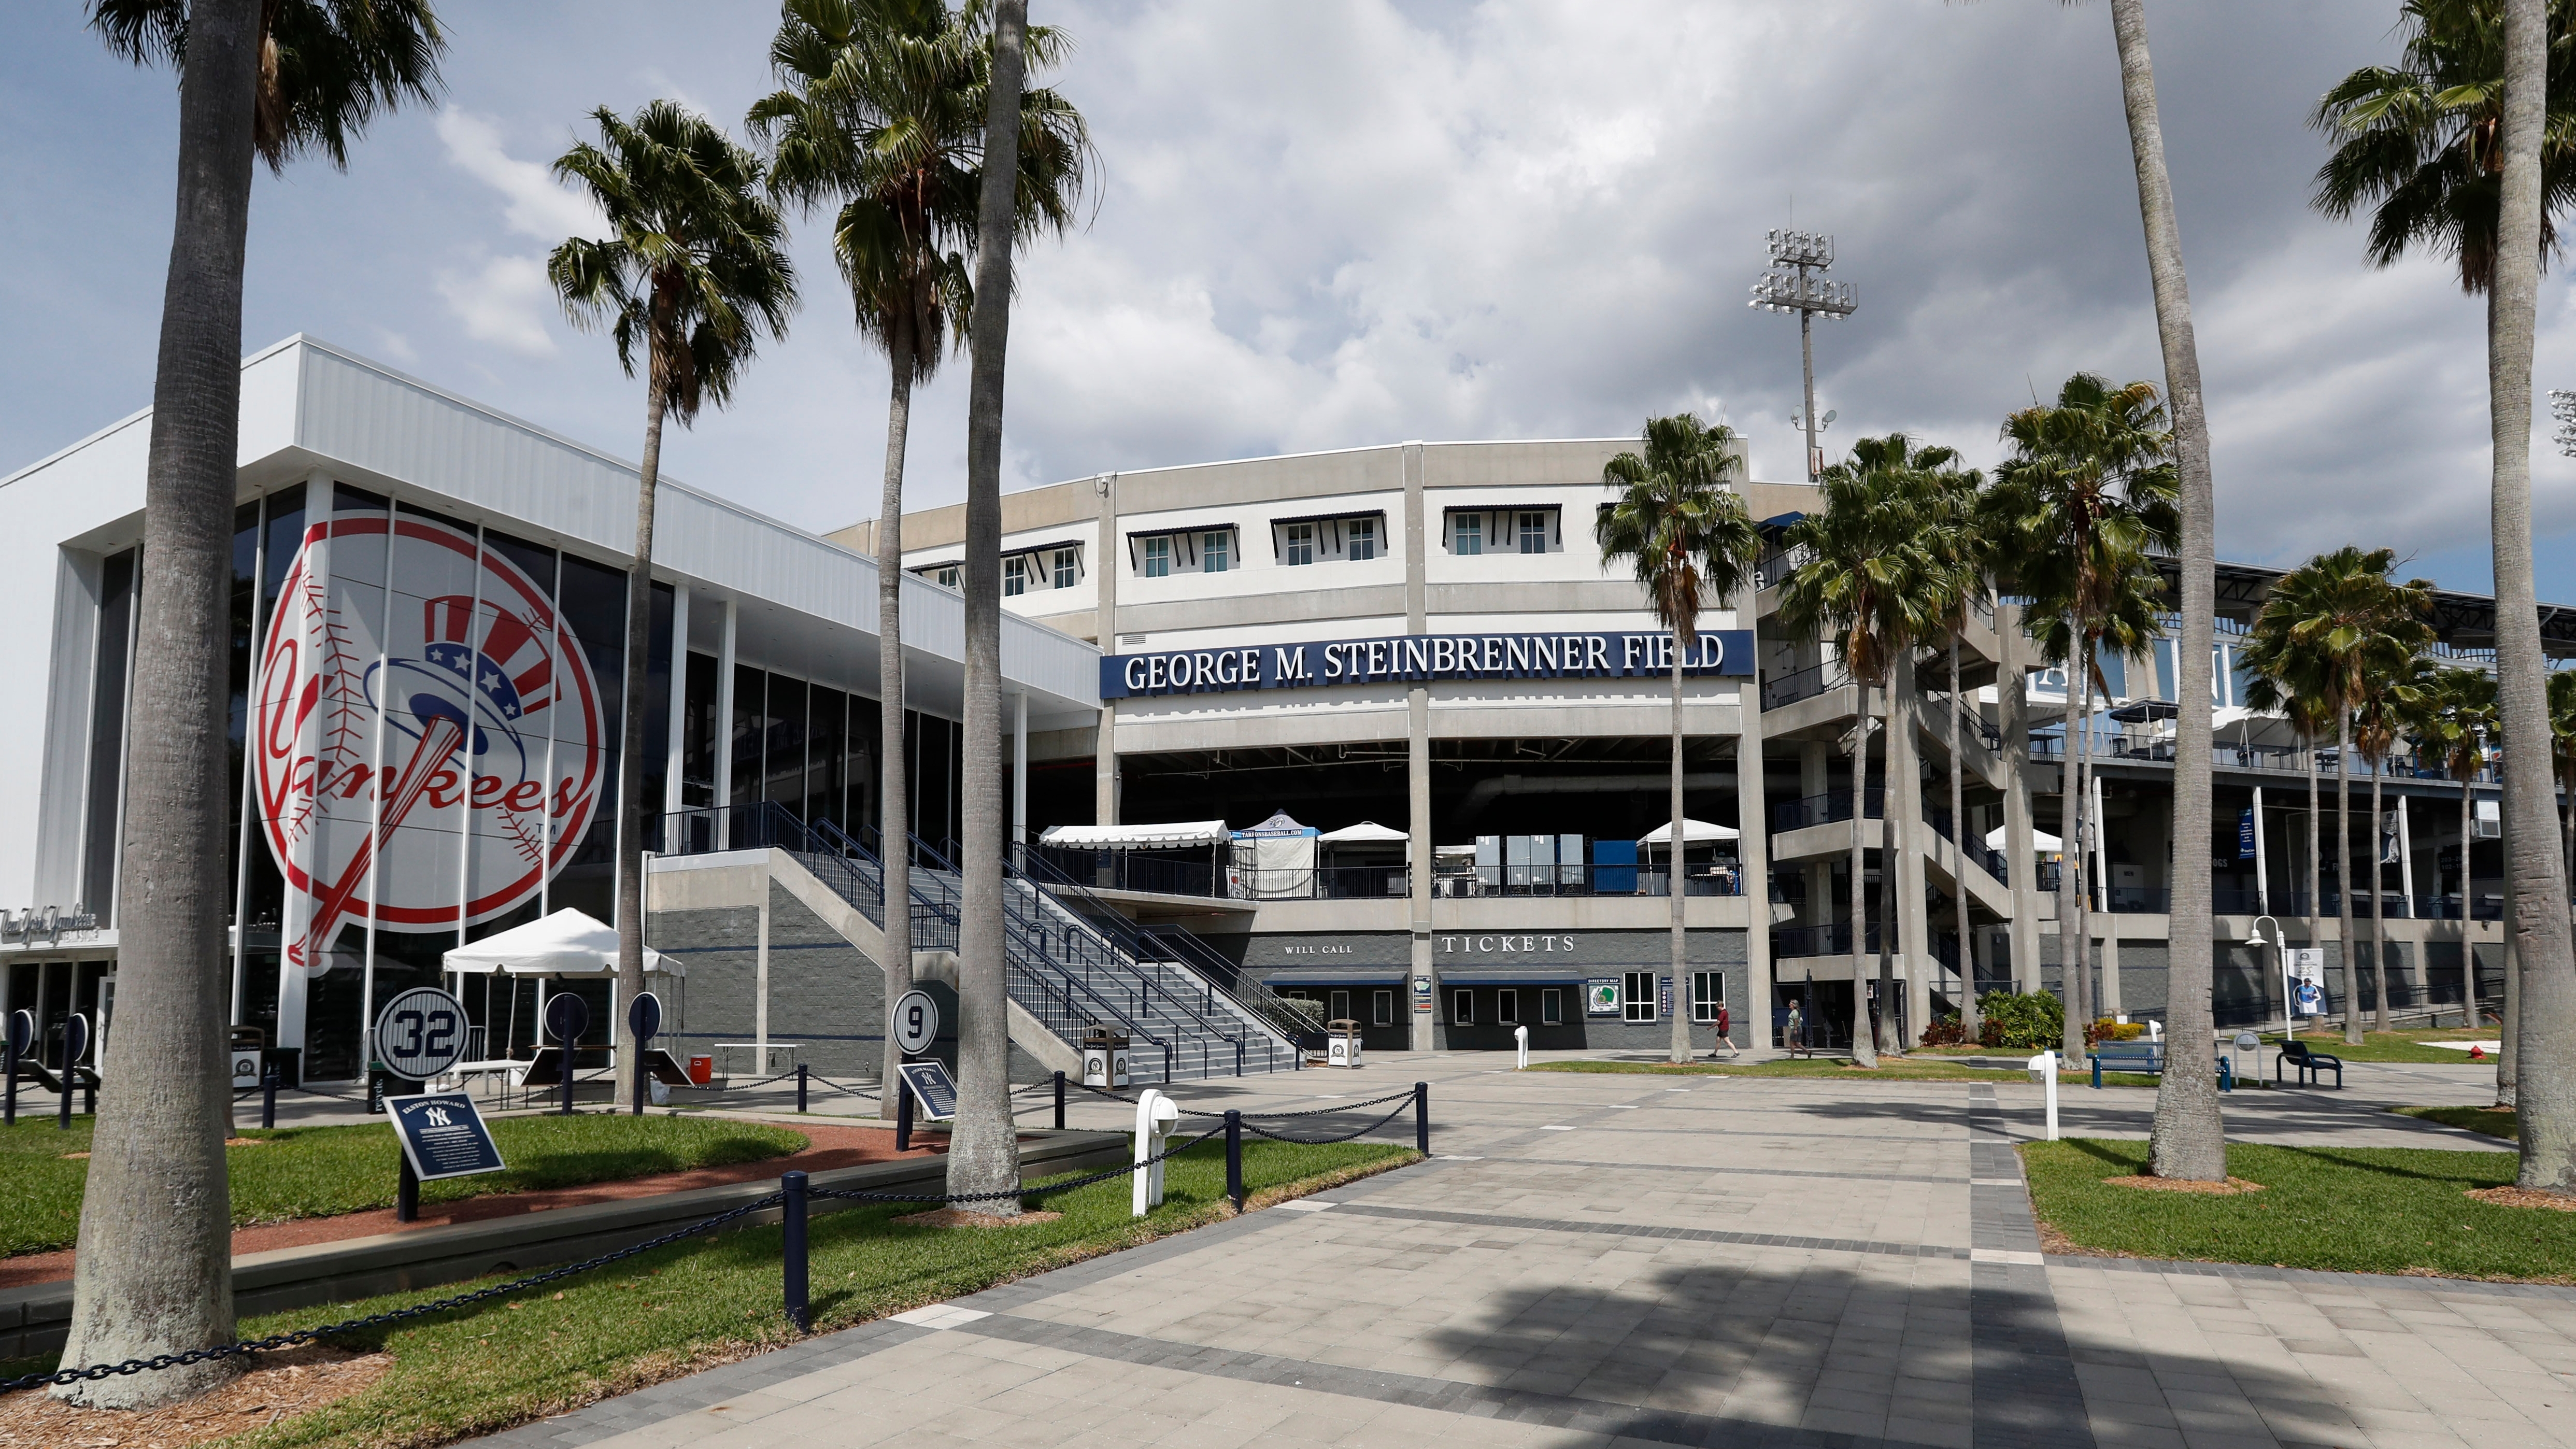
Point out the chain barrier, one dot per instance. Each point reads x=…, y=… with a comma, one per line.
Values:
x=1346, y=1137
x=1053, y=1187
x=442, y=1305
x=1264, y=1116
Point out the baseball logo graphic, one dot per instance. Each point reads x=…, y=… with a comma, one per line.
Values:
x=427, y=730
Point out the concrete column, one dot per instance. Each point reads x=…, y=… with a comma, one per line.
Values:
x=1752, y=848
x=892, y=732
x=2262, y=861
x=1815, y=777
x=1020, y=768
x=760, y=982
x=2109, y=1005
x=671, y=801
x=1905, y=812
x=1417, y=764
x=2021, y=860
x=1109, y=559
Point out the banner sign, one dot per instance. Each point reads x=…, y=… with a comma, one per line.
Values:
x=1601, y=996
x=443, y=1135
x=417, y=693
x=1423, y=658
x=2244, y=835
x=932, y=1087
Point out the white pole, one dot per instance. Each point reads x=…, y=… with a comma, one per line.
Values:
x=2262, y=866
x=1520, y=1040
x=672, y=802
x=722, y=744
x=1020, y=768
x=2406, y=858
x=2052, y=1095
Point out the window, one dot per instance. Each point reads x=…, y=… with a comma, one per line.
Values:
x=1068, y=564
x=1015, y=575
x=1637, y=1002
x=944, y=575
x=1341, y=1008
x=1462, y=1007
x=1533, y=531
x=1381, y=1008
x=1469, y=537
x=1158, y=558
x=1363, y=540
x=1299, y=539
x=1551, y=1007
x=1212, y=552
x=1507, y=1007
x=1708, y=994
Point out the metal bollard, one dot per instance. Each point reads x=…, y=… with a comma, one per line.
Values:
x=1234, y=1158
x=800, y=1086
x=2226, y=1076
x=268, y=1097
x=89, y=1097
x=1422, y=1118
x=1059, y=1101
x=902, y=1118
x=567, y=1081
x=9, y=1089
x=406, y=1190
x=2097, y=1074
x=791, y=1224
x=641, y=1071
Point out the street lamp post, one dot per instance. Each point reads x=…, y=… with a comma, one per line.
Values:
x=1796, y=283
x=2279, y=942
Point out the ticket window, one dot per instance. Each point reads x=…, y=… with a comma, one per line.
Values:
x=1551, y=1007
x=1340, y=1007
x=1462, y=1007
x=1507, y=1007
x=1381, y=1008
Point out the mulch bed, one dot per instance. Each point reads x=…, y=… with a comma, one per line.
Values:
x=2523, y=1197
x=285, y=1383
x=828, y=1147
x=2230, y=1188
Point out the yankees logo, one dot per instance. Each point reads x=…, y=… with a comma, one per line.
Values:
x=435, y=744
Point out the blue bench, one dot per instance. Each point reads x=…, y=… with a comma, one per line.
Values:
x=2141, y=1055
x=2312, y=1065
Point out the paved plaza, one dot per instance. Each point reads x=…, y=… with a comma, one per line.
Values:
x=1672, y=1260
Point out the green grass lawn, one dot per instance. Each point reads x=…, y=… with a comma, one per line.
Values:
x=2344, y=1209
x=1890, y=1069
x=661, y=1314
x=2493, y=1121
x=2389, y=1046
x=311, y=1172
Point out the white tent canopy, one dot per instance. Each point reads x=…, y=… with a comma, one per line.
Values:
x=1692, y=831
x=1137, y=837
x=2039, y=840
x=1367, y=831
x=567, y=943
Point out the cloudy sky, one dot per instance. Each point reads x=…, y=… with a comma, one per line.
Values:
x=1324, y=224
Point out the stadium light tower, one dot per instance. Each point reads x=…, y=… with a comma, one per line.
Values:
x=1795, y=284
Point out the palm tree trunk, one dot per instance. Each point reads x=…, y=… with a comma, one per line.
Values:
x=1673, y=860
x=2070, y=865
x=630, y=736
x=1893, y=792
x=2544, y=953
x=2316, y=848
x=2378, y=906
x=894, y=790
x=2189, y=1139
x=984, y=1153
x=153, y=1271
x=2468, y=946
x=2343, y=877
x=1959, y=852
x=1864, y=1050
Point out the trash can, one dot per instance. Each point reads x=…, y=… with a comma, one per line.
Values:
x=1104, y=1058
x=702, y=1070
x=1341, y=1043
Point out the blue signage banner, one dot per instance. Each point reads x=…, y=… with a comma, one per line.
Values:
x=443, y=1135
x=932, y=1087
x=2244, y=835
x=1423, y=658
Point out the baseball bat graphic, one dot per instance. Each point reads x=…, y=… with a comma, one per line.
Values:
x=442, y=732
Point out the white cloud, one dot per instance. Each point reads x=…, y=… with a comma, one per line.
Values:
x=533, y=202
x=505, y=303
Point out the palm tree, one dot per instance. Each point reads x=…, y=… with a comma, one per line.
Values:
x=694, y=270
x=2089, y=489
x=2562, y=732
x=984, y=1151
x=1863, y=557
x=1688, y=537
x=882, y=111
x=2390, y=697
x=2468, y=146
x=1962, y=583
x=2453, y=717
x=154, y=1261
x=2335, y=622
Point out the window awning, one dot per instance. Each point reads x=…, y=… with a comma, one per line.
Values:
x=1137, y=837
x=567, y=943
x=1515, y=976
x=1692, y=830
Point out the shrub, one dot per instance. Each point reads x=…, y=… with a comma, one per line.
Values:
x=1945, y=1031
x=2031, y=1021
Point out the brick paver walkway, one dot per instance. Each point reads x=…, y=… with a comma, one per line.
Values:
x=1650, y=1260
